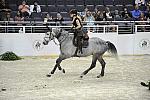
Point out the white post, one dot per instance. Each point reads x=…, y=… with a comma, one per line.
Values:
x=104, y=29
x=24, y=29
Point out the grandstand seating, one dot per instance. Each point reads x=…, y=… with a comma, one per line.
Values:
x=64, y=6
x=118, y=2
x=108, y=2
x=61, y=8
x=70, y=2
x=79, y=2
x=44, y=8
x=69, y=7
x=80, y=8
x=90, y=7
x=52, y=8
x=100, y=7
x=13, y=7
x=89, y=2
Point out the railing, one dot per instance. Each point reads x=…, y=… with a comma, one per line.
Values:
x=142, y=28
x=42, y=29
x=121, y=27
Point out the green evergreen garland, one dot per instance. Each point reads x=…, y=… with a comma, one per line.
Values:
x=9, y=56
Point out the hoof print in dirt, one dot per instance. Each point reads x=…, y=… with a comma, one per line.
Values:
x=81, y=76
x=48, y=75
x=3, y=89
x=63, y=71
x=146, y=84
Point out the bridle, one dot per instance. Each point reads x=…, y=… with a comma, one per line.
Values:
x=64, y=37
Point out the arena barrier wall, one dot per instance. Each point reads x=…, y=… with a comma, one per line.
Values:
x=30, y=44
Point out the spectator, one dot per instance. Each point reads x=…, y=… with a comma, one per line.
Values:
x=19, y=18
x=4, y=9
x=142, y=18
x=107, y=14
x=116, y=15
x=125, y=14
x=136, y=13
x=99, y=16
x=148, y=3
x=147, y=13
x=95, y=11
x=83, y=14
x=48, y=18
x=8, y=17
x=35, y=8
x=140, y=2
x=59, y=19
x=24, y=9
x=89, y=18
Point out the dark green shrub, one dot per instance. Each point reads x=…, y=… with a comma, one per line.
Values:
x=9, y=56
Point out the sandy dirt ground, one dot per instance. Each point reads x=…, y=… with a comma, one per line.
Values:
x=26, y=79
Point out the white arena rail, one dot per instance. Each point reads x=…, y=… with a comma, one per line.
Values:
x=30, y=44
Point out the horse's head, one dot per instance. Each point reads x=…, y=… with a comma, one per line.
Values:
x=51, y=34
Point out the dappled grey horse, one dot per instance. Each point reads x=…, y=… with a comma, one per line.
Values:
x=97, y=47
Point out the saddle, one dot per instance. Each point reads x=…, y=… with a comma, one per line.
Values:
x=84, y=40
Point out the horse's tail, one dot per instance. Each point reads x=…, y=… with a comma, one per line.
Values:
x=112, y=49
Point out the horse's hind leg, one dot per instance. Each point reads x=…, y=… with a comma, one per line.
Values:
x=94, y=59
x=101, y=60
x=58, y=61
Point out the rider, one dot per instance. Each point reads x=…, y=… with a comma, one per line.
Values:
x=77, y=29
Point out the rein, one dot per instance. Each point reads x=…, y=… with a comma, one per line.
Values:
x=58, y=36
x=65, y=36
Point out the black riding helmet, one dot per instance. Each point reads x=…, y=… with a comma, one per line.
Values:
x=73, y=11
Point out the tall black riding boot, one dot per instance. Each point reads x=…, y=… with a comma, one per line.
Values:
x=80, y=44
x=75, y=54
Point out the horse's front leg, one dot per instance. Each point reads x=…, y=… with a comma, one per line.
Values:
x=94, y=60
x=58, y=61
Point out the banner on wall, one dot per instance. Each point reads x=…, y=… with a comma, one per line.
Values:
x=142, y=43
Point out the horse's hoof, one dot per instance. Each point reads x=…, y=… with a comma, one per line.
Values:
x=102, y=75
x=48, y=75
x=99, y=76
x=63, y=71
x=144, y=84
